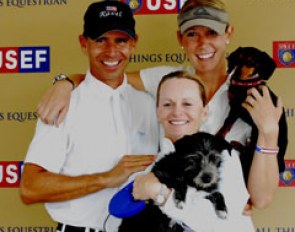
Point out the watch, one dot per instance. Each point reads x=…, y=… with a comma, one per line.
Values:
x=61, y=77
x=160, y=199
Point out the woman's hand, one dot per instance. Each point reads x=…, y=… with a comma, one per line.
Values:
x=54, y=104
x=264, y=113
x=146, y=187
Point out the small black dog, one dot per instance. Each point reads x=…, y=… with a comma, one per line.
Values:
x=250, y=67
x=195, y=163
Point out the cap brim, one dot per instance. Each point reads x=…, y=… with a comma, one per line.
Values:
x=130, y=33
x=213, y=24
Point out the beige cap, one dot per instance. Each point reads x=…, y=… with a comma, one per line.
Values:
x=210, y=17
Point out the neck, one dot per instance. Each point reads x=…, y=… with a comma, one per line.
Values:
x=113, y=82
x=213, y=80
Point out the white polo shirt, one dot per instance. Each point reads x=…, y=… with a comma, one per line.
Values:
x=88, y=142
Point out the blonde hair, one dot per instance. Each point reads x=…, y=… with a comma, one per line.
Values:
x=183, y=75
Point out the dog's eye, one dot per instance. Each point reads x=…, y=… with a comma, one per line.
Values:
x=214, y=158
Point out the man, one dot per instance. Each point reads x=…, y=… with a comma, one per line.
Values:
x=76, y=168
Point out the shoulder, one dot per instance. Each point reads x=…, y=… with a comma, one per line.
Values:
x=139, y=97
x=159, y=71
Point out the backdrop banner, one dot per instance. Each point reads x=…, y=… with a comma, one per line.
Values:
x=39, y=40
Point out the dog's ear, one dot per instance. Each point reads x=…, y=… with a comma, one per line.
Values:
x=234, y=58
x=221, y=144
x=266, y=65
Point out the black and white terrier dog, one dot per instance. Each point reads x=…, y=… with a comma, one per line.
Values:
x=196, y=164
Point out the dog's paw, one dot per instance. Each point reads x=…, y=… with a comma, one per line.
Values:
x=221, y=214
x=179, y=204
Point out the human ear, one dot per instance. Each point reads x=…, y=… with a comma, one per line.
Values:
x=179, y=38
x=229, y=33
x=83, y=45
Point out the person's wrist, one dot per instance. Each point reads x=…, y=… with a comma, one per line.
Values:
x=63, y=78
x=267, y=151
x=161, y=197
x=268, y=138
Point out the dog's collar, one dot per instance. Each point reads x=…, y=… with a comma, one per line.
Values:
x=244, y=83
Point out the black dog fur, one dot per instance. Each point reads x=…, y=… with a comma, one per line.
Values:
x=251, y=67
x=195, y=163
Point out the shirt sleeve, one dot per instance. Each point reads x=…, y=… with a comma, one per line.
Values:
x=48, y=147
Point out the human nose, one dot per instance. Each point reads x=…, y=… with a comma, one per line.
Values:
x=111, y=47
x=177, y=109
x=202, y=40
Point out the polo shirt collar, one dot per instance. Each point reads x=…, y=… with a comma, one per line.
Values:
x=103, y=88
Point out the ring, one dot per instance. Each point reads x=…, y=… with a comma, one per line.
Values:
x=251, y=101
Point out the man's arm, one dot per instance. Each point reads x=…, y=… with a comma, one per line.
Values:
x=40, y=185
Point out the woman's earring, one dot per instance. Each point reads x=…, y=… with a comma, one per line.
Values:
x=227, y=42
x=181, y=47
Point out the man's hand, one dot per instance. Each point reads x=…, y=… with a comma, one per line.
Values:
x=128, y=165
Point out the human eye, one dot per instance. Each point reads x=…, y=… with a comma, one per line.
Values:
x=187, y=103
x=122, y=41
x=166, y=104
x=100, y=40
x=212, y=33
x=191, y=34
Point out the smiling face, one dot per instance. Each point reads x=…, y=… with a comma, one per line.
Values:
x=205, y=48
x=109, y=55
x=180, y=107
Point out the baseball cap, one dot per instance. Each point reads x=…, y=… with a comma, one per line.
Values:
x=213, y=18
x=104, y=16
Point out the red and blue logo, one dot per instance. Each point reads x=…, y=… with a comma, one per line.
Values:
x=287, y=178
x=284, y=54
x=24, y=59
x=10, y=174
x=146, y=7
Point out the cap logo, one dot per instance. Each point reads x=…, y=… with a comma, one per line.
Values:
x=111, y=8
x=201, y=11
x=110, y=11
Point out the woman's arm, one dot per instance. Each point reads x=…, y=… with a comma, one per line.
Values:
x=147, y=187
x=54, y=104
x=264, y=172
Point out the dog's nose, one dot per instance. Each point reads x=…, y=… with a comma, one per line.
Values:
x=206, y=178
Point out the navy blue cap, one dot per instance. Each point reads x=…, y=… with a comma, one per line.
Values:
x=104, y=16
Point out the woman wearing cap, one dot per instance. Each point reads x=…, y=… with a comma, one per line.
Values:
x=204, y=33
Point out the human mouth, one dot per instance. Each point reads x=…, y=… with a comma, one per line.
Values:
x=205, y=55
x=183, y=122
x=111, y=63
